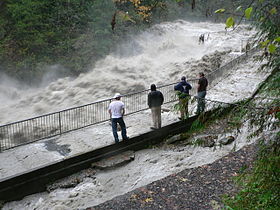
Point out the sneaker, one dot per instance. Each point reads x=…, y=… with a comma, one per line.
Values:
x=126, y=139
x=153, y=128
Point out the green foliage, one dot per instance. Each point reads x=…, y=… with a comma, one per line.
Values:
x=272, y=48
x=266, y=17
x=197, y=125
x=248, y=12
x=41, y=32
x=265, y=43
x=183, y=103
x=261, y=186
x=237, y=114
x=267, y=21
x=271, y=88
x=273, y=11
x=220, y=11
x=277, y=39
x=230, y=22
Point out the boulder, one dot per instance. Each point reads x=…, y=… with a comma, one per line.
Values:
x=115, y=161
x=226, y=140
x=165, y=109
x=72, y=181
x=206, y=141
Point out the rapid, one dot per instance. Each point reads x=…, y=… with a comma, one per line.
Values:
x=160, y=55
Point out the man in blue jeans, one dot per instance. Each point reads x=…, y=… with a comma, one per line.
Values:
x=116, y=111
x=201, y=93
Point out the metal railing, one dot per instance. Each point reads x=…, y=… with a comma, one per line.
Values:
x=215, y=76
x=57, y=123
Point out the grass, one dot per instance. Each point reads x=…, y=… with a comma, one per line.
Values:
x=260, y=187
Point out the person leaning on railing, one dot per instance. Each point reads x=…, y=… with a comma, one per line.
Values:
x=201, y=93
x=183, y=89
x=155, y=100
x=116, y=111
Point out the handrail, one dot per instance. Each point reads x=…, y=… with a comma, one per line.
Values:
x=56, y=123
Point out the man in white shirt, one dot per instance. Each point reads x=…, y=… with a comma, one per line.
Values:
x=116, y=111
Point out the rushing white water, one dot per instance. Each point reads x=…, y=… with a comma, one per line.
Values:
x=159, y=55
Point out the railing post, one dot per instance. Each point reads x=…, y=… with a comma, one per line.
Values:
x=59, y=118
x=108, y=106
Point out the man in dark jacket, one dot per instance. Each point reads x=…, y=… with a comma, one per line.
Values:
x=183, y=89
x=155, y=100
x=201, y=93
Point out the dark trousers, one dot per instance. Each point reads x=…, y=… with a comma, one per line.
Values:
x=119, y=121
x=200, y=102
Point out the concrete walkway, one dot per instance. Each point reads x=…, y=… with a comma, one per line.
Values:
x=239, y=84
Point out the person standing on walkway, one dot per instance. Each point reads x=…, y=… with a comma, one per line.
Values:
x=201, y=93
x=155, y=100
x=116, y=111
x=183, y=90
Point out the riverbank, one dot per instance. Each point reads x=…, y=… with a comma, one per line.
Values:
x=196, y=188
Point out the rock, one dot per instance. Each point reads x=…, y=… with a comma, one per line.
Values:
x=64, y=184
x=154, y=161
x=227, y=140
x=73, y=194
x=71, y=181
x=173, y=139
x=165, y=109
x=206, y=141
x=115, y=161
x=60, y=207
x=209, y=143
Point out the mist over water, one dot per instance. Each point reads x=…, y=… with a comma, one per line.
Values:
x=160, y=55
x=10, y=90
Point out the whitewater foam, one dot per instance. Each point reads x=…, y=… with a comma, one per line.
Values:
x=159, y=55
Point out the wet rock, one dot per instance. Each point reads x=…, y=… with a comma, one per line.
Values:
x=154, y=161
x=73, y=194
x=73, y=180
x=206, y=141
x=227, y=140
x=165, y=109
x=115, y=161
x=175, y=138
x=60, y=207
